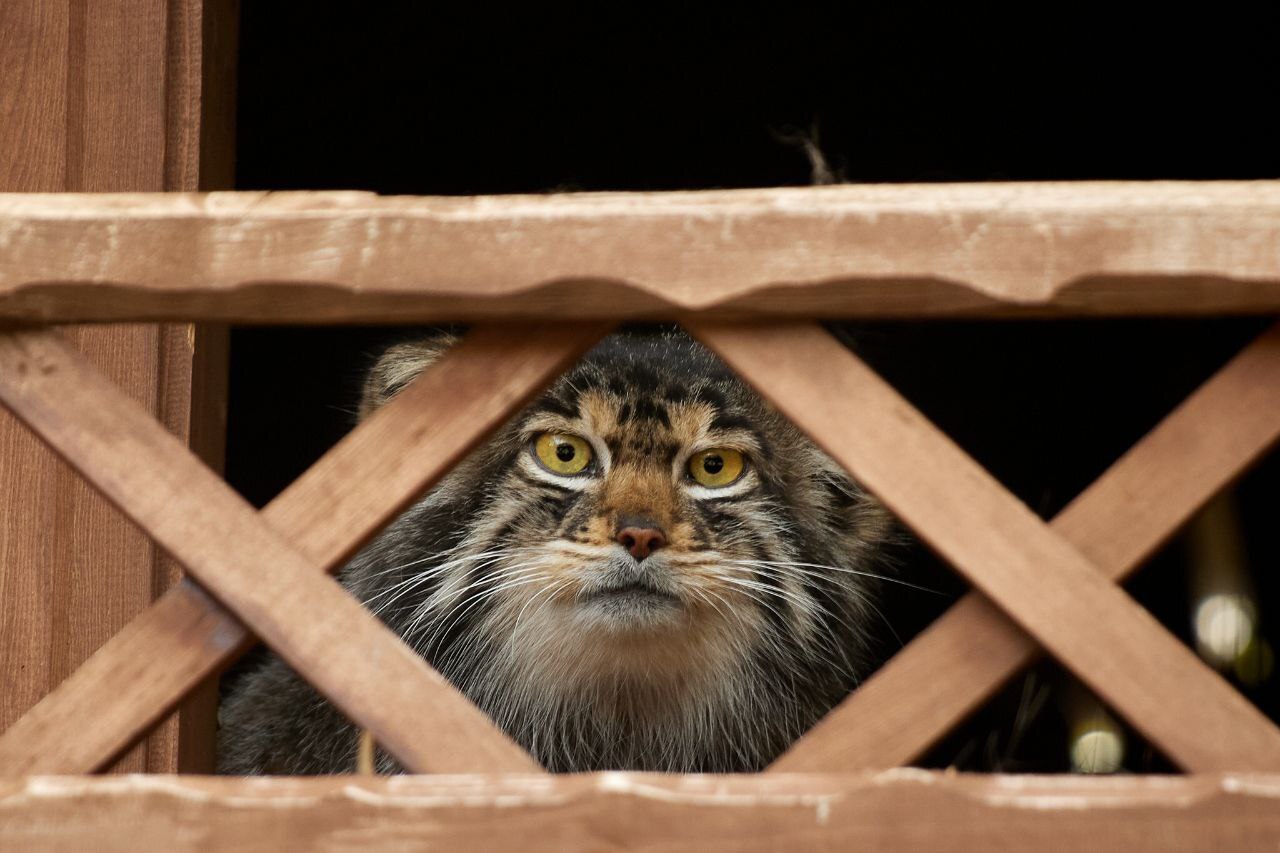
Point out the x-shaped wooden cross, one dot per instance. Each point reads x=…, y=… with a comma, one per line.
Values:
x=1055, y=582
x=1041, y=577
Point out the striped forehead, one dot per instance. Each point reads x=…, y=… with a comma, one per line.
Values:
x=644, y=425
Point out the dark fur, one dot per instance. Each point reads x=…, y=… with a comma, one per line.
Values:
x=751, y=658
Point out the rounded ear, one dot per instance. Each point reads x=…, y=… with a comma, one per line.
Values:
x=397, y=367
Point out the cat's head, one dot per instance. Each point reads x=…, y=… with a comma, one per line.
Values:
x=649, y=520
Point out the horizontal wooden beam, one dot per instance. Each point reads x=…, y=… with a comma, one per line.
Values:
x=872, y=250
x=966, y=654
x=1034, y=575
x=900, y=810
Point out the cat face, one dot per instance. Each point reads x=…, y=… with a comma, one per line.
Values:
x=647, y=538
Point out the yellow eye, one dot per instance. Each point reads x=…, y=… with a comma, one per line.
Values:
x=716, y=467
x=562, y=454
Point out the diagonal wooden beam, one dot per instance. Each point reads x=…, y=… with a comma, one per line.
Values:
x=364, y=480
x=1029, y=571
x=966, y=654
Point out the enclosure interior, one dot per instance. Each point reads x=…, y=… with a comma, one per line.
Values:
x=455, y=100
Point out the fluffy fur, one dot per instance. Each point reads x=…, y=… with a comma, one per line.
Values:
x=711, y=655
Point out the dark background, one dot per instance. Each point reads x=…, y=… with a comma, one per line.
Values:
x=447, y=100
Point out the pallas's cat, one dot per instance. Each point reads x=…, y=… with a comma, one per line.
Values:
x=648, y=568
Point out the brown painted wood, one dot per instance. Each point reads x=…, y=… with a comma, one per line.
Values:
x=94, y=97
x=960, y=249
x=898, y=810
x=1030, y=572
x=964, y=656
x=359, y=484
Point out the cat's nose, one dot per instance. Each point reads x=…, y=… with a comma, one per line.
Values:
x=640, y=536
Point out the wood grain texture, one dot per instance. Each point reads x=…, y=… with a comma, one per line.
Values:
x=1034, y=575
x=94, y=97
x=33, y=95
x=969, y=652
x=343, y=499
x=898, y=810
x=109, y=702
x=967, y=249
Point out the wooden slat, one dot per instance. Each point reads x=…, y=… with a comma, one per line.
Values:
x=898, y=810
x=1034, y=575
x=991, y=249
x=185, y=512
x=966, y=654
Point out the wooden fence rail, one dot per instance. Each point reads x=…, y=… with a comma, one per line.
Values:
x=925, y=250
x=897, y=810
x=718, y=262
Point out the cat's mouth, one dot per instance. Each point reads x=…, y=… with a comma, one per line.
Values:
x=630, y=601
x=635, y=589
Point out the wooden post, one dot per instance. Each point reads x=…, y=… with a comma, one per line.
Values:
x=108, y=96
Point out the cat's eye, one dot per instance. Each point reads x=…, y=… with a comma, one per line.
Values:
x=717, y=467
x=562, y=454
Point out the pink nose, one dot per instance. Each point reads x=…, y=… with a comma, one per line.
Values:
x=641, y=537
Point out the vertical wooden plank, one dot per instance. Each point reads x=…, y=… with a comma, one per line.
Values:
x=33, y=70
x=120, y=64
x=214, y=80
x=115, y=142
x=94, y=96
x=193, y=390
x=33, y=90
x=199, y=154
x=99, y=574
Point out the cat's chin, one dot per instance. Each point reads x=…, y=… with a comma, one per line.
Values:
x=622, y=596
x=629, y=609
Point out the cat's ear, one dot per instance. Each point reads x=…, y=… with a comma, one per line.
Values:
x=397, y=367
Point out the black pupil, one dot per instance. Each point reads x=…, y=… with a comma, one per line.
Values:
x=565, y=452
x=712, y=464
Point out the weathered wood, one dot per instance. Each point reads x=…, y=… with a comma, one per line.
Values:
x=95, y=97
x=899, y=810
x=989, y=249
x=1033, y=574
x=318, y=628
x=344, y=498
x=966, y=654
